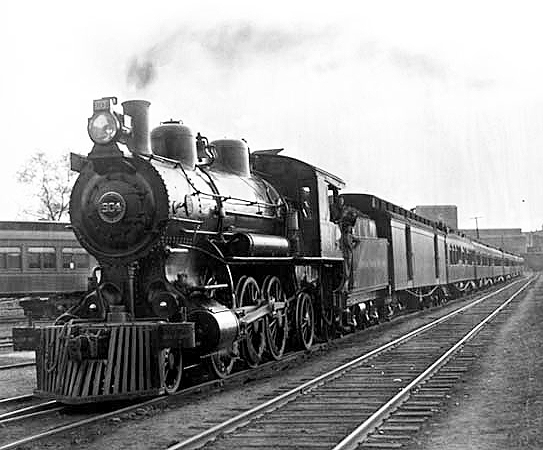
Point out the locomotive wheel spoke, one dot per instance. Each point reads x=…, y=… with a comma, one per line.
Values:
x=239, y=286
x=172, y=369
x=305, y=321
x=220, y=364
x=276, y=323
x=254, y=343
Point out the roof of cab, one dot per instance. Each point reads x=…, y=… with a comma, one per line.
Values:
x=327, y=176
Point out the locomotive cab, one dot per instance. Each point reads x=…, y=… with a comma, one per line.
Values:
x=308, y=189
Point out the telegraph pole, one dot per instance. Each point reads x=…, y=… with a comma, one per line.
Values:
x=477, y=224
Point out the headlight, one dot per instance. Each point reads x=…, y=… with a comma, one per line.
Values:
x=103, y=127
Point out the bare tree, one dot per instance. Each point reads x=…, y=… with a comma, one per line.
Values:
x=51, y=181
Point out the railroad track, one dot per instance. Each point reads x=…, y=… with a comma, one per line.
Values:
x=45, y=424
x=378, y=400
x=7, y=402
x=6, y=342
x=49, y=418
x=33, y=410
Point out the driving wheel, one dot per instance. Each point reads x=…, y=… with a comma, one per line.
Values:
x=305, y=320
x=255, y=341
x=172, y=369
x=276, y=323
x=220, y=364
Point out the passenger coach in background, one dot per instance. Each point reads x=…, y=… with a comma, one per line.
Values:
x=43, y=259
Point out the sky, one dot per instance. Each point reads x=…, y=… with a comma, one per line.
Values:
x=418, y=102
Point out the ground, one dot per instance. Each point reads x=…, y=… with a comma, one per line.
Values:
x=499, y=405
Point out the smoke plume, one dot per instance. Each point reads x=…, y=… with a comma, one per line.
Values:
x=141, y=73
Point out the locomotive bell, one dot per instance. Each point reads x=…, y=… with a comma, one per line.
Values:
x=232, y=156
x=175, y=141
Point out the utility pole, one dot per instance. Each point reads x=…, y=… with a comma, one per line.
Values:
x=477, y=224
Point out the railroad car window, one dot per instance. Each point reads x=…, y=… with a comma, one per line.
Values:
x=75, y=258
x=10, y=258
x=454, y=255
x=42, y=258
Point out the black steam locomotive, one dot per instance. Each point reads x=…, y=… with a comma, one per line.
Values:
x=210, y=254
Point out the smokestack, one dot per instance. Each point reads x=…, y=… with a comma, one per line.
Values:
x=139, y=111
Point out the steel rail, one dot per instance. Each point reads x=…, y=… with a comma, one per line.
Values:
x=18, y=398
x=361, y=432
x=28, y=409
x=272, y=404
x=6, y=343
x=30, y=415
x=17, y=365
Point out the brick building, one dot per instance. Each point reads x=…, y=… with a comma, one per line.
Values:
x=447, y=214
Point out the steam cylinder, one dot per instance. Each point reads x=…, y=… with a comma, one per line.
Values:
x=216, y=327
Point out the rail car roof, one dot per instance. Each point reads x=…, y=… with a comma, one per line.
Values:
x=35, y=225
x=368, y=203
x=273, y=156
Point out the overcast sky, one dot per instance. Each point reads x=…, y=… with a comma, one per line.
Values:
x=415, y=102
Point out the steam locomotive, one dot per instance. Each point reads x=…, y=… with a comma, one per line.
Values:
x=210, y=255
